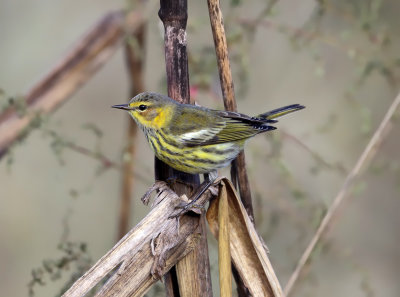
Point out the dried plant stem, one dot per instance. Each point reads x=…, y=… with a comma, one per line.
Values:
x=225, y=75
x=247, y=249
x=193, y=271
x=91, y=52
x=299, y=33
x=238, y=170
x=146, y=252
x=134, y=53
x=224, y=253
x=314, y=154
x=128, y=155
x=106, y=162
x=370, y=150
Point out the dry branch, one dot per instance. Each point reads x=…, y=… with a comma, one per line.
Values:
x=238, y=170
x=91, y=52
x=105, y=161
x=145, y=253
x=369, y=151
x=193, y=271
x=159, y=241
x=224, y=251
x=134, y=55
x=221, y=49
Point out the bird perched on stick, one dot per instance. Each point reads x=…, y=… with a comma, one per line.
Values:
x=196, y=139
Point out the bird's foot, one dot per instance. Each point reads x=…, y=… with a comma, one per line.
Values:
x=162, y=190
x=192, y=204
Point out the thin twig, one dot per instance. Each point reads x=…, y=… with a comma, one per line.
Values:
x=106, y=162
x=91, y=52
x=238, y=170
x=134, y=54
x=366, y=156
x=314, y=154
x=225, y=75
x=301, y=33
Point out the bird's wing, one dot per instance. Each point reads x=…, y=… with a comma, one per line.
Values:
x=215, y=127
x=195, y=126
x=240, y=126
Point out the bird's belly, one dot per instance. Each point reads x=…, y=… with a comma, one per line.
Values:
x=199, y=159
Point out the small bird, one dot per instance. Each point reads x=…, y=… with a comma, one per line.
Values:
x=196, y=139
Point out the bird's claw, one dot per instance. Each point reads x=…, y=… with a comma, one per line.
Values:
x=185, y=207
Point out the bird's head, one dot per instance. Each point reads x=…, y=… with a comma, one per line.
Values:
x=150, y=110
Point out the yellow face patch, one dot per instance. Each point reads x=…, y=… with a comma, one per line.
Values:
x=163, y=115
x=153, y=116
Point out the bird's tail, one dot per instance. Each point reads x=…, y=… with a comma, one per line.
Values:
x=270, y=116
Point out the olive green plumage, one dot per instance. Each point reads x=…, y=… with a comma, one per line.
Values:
x=196, y=139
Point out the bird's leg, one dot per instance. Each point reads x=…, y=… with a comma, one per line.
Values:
x=173, y=180
x=209, y=179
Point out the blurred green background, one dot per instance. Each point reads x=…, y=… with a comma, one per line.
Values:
x=339, y=58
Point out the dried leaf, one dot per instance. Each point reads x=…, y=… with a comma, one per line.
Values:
x=247, y=250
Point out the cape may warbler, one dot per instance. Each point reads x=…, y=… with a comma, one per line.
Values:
x=196, y=139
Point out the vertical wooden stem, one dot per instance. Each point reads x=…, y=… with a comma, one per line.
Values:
x=238, y=170
x=224, y=255
x=244, y=185
x=193, y=271
x=221, y=48
x=134, y=53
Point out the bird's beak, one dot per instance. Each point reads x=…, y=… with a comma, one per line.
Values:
x=122, y=106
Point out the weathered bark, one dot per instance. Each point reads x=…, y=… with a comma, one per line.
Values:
x=193, y=271
x=146, y=252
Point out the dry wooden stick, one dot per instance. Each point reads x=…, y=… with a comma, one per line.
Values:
x=193, y=271
x=238, y=170
x=134, y=54
x=221, y=49
x=368, y=153
x=224, y=253
x=106, y=162
x=146, y=252
x=73, y=71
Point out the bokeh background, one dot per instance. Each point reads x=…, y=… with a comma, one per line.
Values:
x=339, y=58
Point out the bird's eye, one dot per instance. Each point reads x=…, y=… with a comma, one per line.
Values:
x=142, y=107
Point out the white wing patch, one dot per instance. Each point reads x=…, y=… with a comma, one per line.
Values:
x=195, y=134
x=199, y=136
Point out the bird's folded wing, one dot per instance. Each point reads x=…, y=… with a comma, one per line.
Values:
x=222, y=127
